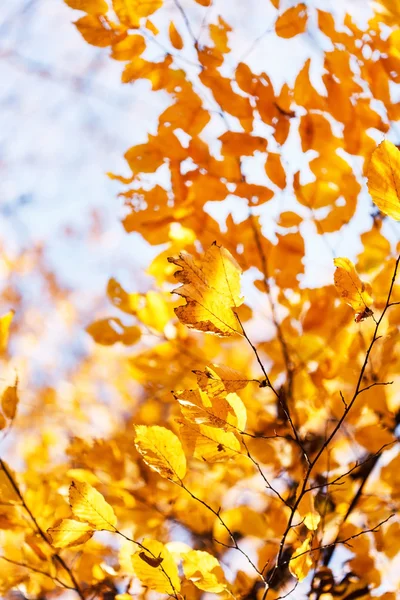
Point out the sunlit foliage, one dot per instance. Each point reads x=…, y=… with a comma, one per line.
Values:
x=248, y=440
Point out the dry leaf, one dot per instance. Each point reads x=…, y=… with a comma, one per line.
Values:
x=350, y=287
x=211, y=289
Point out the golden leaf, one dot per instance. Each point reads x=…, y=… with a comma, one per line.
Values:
x=209, y=444
x=89, y=505
x=211, y=291
x=70, y=533
x=350, y=287
x=161, y=451
x=8, y=494
x=5, y=322
x=112, y=330
x=301, y=561
x=383, y=174
x=162, y=577
x=128, y=48
x=93, y=7
x=219, y=379
x=309, y=515
x=204, y=571
x=129, y=12
x=292, y=22
x=9, y=401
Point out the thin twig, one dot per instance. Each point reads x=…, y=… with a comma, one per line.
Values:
x=337, y=427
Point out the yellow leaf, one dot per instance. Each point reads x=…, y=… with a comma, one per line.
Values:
x=350, y=287
x=204, y=571
x=163, y=578
x=70, y=533
x=311, y=517
x=208, y=444
x=89, y=505
x=8, y=494
x=5, y=322
x=383, y=174
x=129, y=12
x=126, y=302
x=198, y=408
x=175, y=37
x=211, y=291
x=217, y=379
x=112, y=330
x=292, y=22
x=128, y=48
x=161, y=451
x=9, y=401
x=93, y=7
x=243, y=520
x=301, y=561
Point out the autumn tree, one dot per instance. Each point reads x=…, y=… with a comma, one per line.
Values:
x=256, y=455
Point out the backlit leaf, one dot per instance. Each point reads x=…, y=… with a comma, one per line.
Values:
x=112, y=330
x=204, y=571
x=175, y=37
x=130, y=12
x=5, y=322
x=301, y=562
x=161, y=451
x=90, y=506
x=218, y=379
x=292, y=22
x=211, y=289
x=208, y=444
x=70, y=533
x=93, y=7
x=9, y=401
x=350, y=287
x=383, y=174
x=94, y=31
x=163, y=577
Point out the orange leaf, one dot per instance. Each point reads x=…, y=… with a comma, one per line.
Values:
x=93, y=7
x=175, y=37
x=275, y=170
x=292, y=22
x=94, y=31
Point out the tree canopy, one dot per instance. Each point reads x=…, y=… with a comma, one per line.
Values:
x=232, y=431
